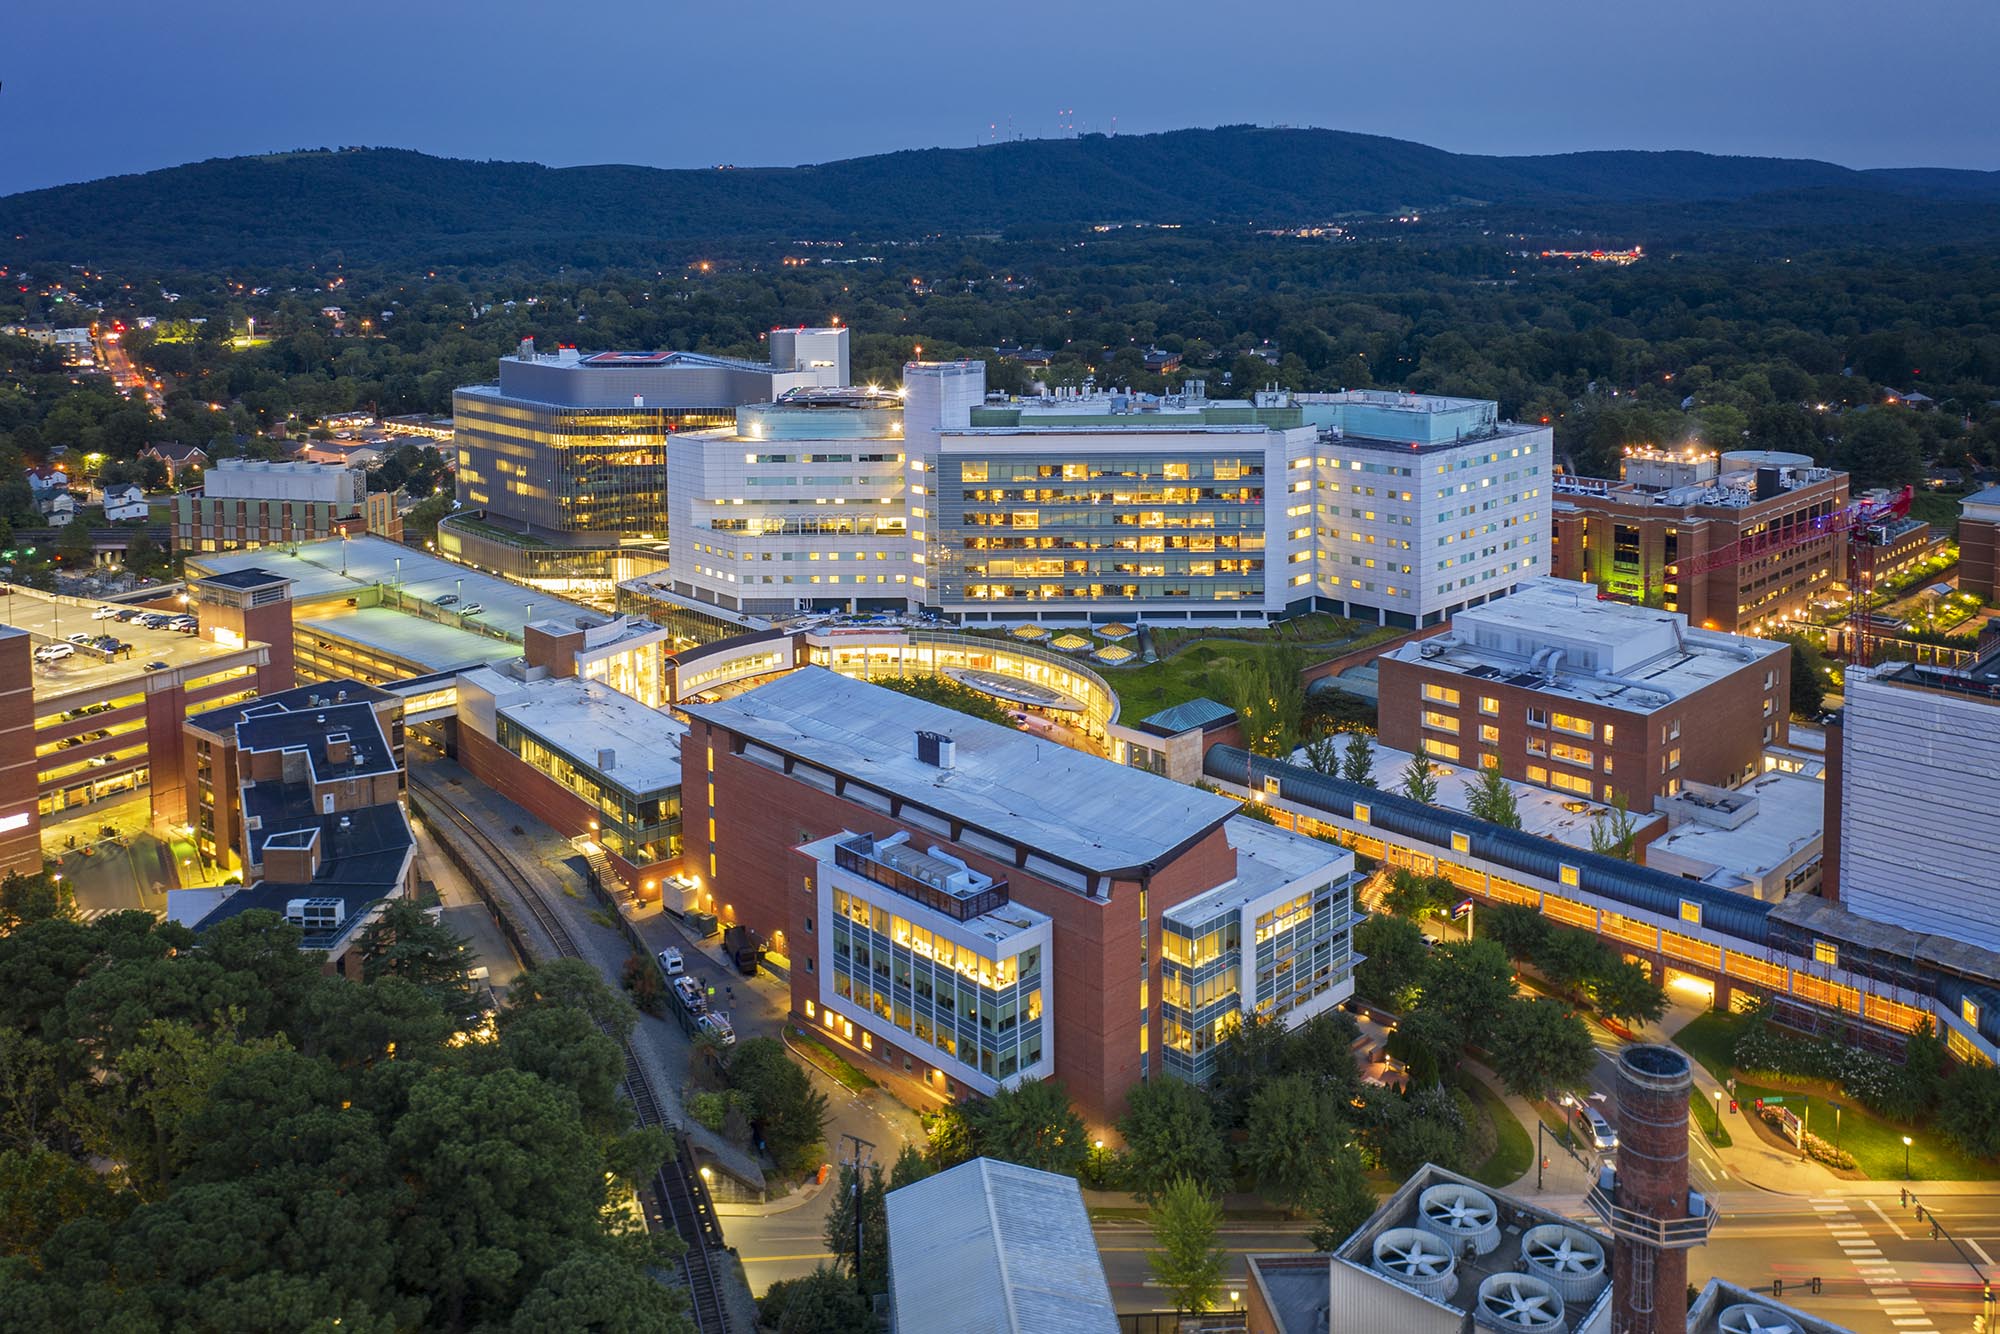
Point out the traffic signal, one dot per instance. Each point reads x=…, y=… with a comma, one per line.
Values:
x=1815, y=1285
x=1906, y=1197
x=1934, y=1229
x=1760, y=1104
x=1920, y=1213
x=1732, y=1106
x=1777, y=1287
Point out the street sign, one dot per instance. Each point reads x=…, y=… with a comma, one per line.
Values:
x=1463, y=908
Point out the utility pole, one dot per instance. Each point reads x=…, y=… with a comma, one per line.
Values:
x=857, y=1161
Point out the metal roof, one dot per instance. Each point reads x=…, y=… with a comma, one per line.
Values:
x=1608, y=878
x=1076, y=809
x=1003, y=1249
x=1186, y=717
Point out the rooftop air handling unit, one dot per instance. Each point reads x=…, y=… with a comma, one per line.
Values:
x=1417, y=1259
x=1460, y=1216
x=1521, y=1304
x=1569, y=1259
x=1749, y=1318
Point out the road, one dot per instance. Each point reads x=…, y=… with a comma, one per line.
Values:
x=113, y=357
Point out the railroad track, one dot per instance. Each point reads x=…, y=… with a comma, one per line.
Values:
x=681, y=1198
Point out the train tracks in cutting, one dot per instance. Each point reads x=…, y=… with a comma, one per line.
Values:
x=680, y=1198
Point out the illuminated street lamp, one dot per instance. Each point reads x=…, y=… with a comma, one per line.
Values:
x=1906, y=1157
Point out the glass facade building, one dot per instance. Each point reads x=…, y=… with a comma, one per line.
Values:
x=641, y=827
x=1086, y=524
x=968, y=994
x=1283, y=955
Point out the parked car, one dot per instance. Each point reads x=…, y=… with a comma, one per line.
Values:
x=79, y=638
x=689, y=991
x=129, y=614
x=448, y=600
x=1595, y=1130
x=104, y=613
x=152, y=620
x=54, y=652
x=670, y=962
x=157, y=665
x=471, y=609
x=718, y=1024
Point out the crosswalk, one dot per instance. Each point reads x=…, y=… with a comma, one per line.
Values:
x=1905, y=1313
x=89, y=915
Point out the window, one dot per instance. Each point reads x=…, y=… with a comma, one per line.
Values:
x=1538, y=717
x=1437, y=694
x=1691, y=911
x=1673, y=760
x=1767, y=706
x=1489, y=705
x=1609, y=737
x=1489, y=761
x=1569, y=754
x=1460, y=842
x=1570, y=876
x=1538, y=745
x=1575, y=726
x=1826, y=952
x=1361, y=812
x=1968, y=1010
x=1489, y=735
x=1576, y=783
x=1443, y=750
x=1443, y=722
x=1670, y=731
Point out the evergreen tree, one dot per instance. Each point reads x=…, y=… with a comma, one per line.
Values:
x=1357, y=763
x=1186, y=1260
x=1492, y=799
x=1420, y=780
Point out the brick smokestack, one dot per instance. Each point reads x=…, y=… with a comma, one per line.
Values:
x=1649, y=1264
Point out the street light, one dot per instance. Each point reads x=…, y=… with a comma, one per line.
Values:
x=1836, y=1128
x=1906, y=1157
x=1718, y=1113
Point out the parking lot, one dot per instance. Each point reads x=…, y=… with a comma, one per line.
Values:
x=49, y=620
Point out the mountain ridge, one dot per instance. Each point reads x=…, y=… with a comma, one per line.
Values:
x=381, y=203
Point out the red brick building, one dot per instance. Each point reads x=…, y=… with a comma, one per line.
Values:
x=1979, y=543
x=1019, y=862
x=1555, y=687
x=1628, y=536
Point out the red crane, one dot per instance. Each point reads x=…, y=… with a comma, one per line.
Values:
x=1856, y=522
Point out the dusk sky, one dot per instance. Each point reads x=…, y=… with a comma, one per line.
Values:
x=121, y=86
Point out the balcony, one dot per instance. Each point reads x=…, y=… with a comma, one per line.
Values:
x=1667, y=1234
x=939, y=885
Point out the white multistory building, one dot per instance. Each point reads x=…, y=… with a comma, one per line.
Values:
x=1104, y=505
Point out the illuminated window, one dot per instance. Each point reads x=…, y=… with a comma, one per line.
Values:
x=1569, y=875
x=1489, y=761
x=1437, y=694
x=1460, y=842
x=1691, y=911
x=1575, y=726
x=1443, y=722
x=1361, y=812
x=1826, y=952
x=1489, y=734
x=1489, y=705
x=1443, y=750
x=1968, y=1010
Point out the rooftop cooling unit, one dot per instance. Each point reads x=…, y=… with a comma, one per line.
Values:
x=1748, y=1318
x=1521, y=1304
x=1570, y=1259
x=1460, y=1215
x=1417, y=1259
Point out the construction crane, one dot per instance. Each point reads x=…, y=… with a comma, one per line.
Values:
x=1858, y=523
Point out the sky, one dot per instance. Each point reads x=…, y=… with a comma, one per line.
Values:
x=115, y=86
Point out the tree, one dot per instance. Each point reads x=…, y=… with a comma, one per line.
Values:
x=1268, y=701
x=1418, y=897
x=1569, y=959
x=1420, y=780
x=1186, y=1260
x=1393, y=959
x=405, y=941
x=75, y=549
x=1538, y=1046
x=820, y=1303
x=1491, y=799
x=25, y=899
x=789, y=1114
x=1808, y=695
x=869, y=1197
x=1880, y=447
x=1323, y=754
x=1357, y=763
x=1969, y=1110
x=1625, y=993
x=1169, y=1132
x=1613, y=832
x=1286, y=1138
x=910, y=1167
x=1341, y=1201
x=954, y=695
x=953, y=1138
x=1033, y=1124
x=1425, y=1127
x=596, y=1291
x=1468, y=984
x=1519, y=929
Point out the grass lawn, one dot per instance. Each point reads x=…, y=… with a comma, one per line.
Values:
x=1710, y=1039
x=1877, y=1145
x=1702, y=1110
x=1317, y=628
x=833, y=1063
x=1939, y=509
x=1512, y=1150
x=1207, y=669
